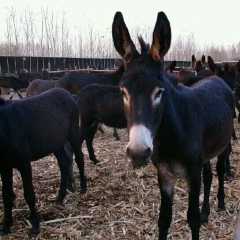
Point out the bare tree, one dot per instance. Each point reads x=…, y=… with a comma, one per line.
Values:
x=52, y=37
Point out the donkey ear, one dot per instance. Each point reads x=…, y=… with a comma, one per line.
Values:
x=193, y=61
x=226, y=67
x=211, y=64
x=122, y=40
x=203, y=59
x=172, y=66
x=238, y=66
x=198, y=66
x=193, y=58
x=161, y=37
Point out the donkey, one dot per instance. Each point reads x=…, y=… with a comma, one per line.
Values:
x=29, y=130
x=223, y=70
x=205, y=69
x=38, y=86
x=99, y=104
x=179, y=128
x=75, y=81
x=237, y=89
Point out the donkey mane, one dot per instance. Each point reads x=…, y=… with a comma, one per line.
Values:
x=120, y=68
x=144, y=46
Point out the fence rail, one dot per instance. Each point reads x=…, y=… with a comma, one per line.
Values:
x=10, y=64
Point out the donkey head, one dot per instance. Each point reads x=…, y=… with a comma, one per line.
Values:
x=142, y=85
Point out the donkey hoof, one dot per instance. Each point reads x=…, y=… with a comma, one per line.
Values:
x=4, y=230
x=83, y=189
x=221, y=208
x=71, y=187
x=95, y=161
x=117, y=138
x=229, y=176
x=34, y=231
x=203, y=218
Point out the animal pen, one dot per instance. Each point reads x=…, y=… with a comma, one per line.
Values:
x=121, y=203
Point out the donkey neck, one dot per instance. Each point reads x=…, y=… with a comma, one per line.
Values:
x=176, y=117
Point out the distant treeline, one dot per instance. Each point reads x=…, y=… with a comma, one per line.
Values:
x=48, y=35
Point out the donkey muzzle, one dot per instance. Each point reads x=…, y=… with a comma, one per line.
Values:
x=140, y=146
x=139, y=158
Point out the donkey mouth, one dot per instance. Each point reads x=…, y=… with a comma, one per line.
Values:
x=139, y=163
x=139, y=158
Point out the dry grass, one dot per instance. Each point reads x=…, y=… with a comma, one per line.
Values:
x=120, y=203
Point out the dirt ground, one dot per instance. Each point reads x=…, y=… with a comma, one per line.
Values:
x=120, y=203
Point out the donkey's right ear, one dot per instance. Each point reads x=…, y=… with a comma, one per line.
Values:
x=122, y=40
x=194, y=60
x=161, y=37
x=238, y=66
x=211, y=64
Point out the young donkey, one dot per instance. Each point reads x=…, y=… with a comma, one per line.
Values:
x=178, y=127
x=31, y=129
x=99, y=104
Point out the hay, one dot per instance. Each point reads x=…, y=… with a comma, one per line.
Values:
x=120, y=203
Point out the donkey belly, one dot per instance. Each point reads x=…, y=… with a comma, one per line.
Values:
x=49, y=135
x=112, y=120
x=216, y=140
x=114, y=124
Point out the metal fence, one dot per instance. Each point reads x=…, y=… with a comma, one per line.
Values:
x=9, y=64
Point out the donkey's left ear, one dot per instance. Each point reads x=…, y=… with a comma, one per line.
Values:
x=122, y=39
x=161, y=37
x=238, y=66
x=211, y=64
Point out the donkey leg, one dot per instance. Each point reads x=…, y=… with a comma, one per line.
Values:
x=65, y=168
x=226, y=154
x=8, y=198
x=69, y=153
x=234, y=135
x=100, y=128
x=207, y=181
x=237, y=104
x=29, y=195
x=166, y=183
x=76, y=143
x=221, y=162
x=89, y=141
x=193, y=214
x=115, y=134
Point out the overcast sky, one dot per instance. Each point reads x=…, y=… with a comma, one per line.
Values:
x=211, y=21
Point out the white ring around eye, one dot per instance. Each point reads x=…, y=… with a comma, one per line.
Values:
x=157, y=96
x=125, y=96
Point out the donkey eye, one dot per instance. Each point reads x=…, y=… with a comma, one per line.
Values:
x=124, y=94
x=157, y=95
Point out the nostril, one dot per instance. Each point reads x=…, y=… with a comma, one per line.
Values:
x=128, y=151
x=147, y=152
x=138, y=154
